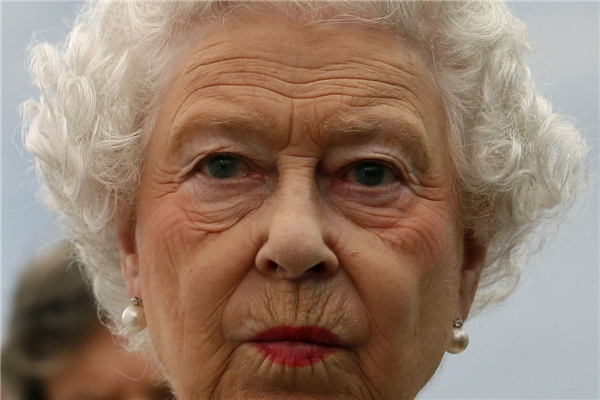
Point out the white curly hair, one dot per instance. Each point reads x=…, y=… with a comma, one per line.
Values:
x=520, y=165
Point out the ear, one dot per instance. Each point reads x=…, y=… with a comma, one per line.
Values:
x=473, y=263
x=125, y=223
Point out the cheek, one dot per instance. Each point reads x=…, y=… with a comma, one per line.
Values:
x=420, y=248
x=407, y=276
x=402, y=288
x=188, y=272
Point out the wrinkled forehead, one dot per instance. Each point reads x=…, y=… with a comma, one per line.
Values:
x=295, y=44
x=365, y=66
x=274, y=22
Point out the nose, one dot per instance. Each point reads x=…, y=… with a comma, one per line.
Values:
x=296, y=247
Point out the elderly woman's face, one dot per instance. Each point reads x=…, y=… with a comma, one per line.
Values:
x=297, y=233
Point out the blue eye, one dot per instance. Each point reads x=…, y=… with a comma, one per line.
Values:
x=223, y=166
x=372, y=173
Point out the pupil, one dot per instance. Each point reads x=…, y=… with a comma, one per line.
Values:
x=369, y=173
x=223, y=166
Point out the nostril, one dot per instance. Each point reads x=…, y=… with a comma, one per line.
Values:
x=317, y=268
x=271, y=266
x=314, y=271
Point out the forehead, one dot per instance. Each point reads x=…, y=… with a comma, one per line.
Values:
x=252, y=70
x=302, y=55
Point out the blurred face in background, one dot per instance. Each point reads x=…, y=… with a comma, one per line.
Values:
x=101, y=369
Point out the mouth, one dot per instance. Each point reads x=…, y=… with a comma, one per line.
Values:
x=296, y=346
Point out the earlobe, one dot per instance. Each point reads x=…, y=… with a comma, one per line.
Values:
x=473, y=263
x=125, y=229
x=130, y=269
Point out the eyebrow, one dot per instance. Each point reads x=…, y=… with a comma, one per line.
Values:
x=339, y=128
x=248, y=125
x=335, y=129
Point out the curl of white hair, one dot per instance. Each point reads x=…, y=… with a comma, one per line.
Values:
x=519, y=163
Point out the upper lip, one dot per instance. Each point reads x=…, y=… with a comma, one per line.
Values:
x=308, y=334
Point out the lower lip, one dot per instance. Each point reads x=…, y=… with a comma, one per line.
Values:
x=294, y=354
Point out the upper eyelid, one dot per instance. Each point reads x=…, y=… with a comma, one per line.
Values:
x=202, y=161
x=252, y=162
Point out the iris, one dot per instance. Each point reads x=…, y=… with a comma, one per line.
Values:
x=370, y=173
x=223, y=166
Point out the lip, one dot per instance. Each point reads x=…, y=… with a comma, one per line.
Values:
x=296, y=346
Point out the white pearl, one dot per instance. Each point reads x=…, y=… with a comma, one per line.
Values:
x=460, y=341
x=134, y=319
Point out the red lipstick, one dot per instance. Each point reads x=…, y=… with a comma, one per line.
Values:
x=296, y=346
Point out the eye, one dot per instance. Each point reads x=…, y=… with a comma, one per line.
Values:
x=223, y=166
x=371, y=173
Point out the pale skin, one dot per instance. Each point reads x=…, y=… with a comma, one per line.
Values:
x=296, y=235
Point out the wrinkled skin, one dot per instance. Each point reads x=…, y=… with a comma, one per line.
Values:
x=295, y=237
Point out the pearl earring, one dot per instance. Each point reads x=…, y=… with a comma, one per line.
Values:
x=133, y=317
x=460, y=339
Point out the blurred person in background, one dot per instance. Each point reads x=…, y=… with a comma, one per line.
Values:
x=57, y=348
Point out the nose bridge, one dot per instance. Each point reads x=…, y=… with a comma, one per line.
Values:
x=297, y=193
x=296, y=215
x=297, y=244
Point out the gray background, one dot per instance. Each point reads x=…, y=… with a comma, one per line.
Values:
x=542, y=343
